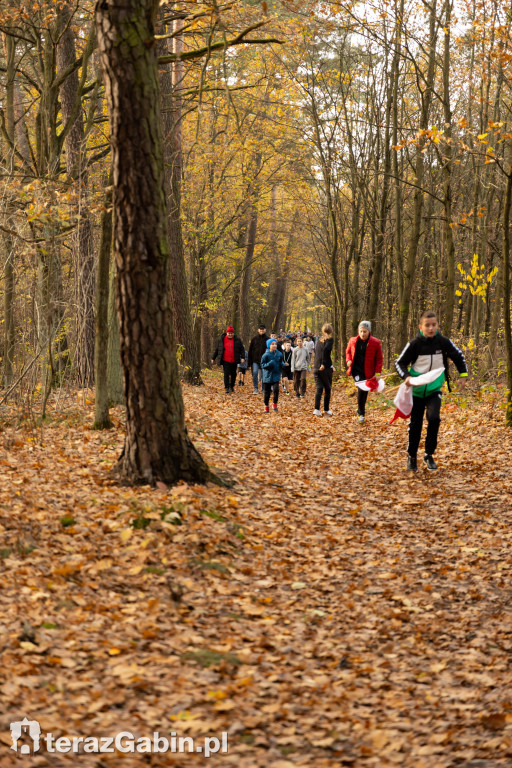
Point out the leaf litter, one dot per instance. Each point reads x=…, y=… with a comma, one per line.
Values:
x=329, y=609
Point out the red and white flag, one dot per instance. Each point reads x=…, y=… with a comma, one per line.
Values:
x=403, y=399
x=371, y=385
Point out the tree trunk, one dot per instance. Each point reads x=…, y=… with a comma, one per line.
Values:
x=245, y=278
x=114, y=366
x=506, y=289
x=9, y=335
x=449, y=248
x=380, y=238
x=412, y=252
x=101, y=410
x=171, y=77
x=82, y=243
x=157, y=447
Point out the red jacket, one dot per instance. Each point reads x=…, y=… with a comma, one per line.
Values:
x=373, y=357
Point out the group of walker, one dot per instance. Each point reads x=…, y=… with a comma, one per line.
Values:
x=274, y=361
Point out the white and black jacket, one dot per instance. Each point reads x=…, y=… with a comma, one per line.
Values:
x=424, y=354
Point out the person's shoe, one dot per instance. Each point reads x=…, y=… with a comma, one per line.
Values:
x=412, y=464
x=328, y=413
x=429, y=461
x=316, y=412
x=360, y=419
x=255, y=392
x=274, y=407
x=298, y=397
x=303, y=395
x=267, y=409
x=228, y=390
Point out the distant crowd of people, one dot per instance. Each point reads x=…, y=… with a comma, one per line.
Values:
x=283, y=360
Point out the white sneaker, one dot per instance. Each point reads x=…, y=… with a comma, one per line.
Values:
x=317, y=413
x=328, y=413
x=360, y=419
x=255, y=392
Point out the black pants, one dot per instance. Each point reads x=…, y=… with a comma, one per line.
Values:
x=431, y=404
x=323, y=382
x=267, y=389
x=362, y=397
x=229, y=375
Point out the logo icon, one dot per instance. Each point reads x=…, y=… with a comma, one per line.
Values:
x=21, y=730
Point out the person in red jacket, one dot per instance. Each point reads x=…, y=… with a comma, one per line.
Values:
x=364, y=361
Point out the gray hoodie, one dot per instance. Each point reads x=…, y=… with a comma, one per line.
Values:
x=300, y=359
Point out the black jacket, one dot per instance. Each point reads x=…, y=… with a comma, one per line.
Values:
x=323, y=351
x=257, y=349
x=239, y=349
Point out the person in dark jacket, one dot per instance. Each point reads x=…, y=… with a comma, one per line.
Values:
x=230, y=352
x=427, y=352
x=323, y=370
x=271, y=364
x=364, y=361
x=257, y=348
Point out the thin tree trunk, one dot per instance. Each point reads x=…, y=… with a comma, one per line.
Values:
x=82, y=242
x=9, y=330
x=101, y=410
x=171, y=77
x=506, y=289
x=245, y=278
x=449, y=248
x=412, y=252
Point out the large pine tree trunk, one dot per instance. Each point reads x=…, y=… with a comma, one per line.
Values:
x=157, y=447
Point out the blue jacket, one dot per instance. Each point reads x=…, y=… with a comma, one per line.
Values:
x=271, y=364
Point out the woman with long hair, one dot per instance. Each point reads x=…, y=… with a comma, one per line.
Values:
x=323, y=370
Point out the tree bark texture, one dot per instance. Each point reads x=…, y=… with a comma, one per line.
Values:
x=157, y=447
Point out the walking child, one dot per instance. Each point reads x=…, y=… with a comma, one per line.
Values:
x=271, y=364
x=287, y=366
x=242, y=370
x=323, y=370
x=364, y=361
x=300, y=365
x=428, y=351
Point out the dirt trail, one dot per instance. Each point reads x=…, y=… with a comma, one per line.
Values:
x=330, y=609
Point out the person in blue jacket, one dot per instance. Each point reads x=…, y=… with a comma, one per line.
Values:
x=271, y=365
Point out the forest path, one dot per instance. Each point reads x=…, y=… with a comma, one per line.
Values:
x=330, y=609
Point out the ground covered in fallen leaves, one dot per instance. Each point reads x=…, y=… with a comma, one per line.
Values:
x=328, y=610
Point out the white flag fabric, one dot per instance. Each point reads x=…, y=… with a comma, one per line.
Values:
x=371, y=385
x=403, y=399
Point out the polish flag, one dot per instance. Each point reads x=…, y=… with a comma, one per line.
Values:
x=371, y=385
x=403, y=399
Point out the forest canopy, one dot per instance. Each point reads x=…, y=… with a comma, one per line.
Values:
x=323, y=160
